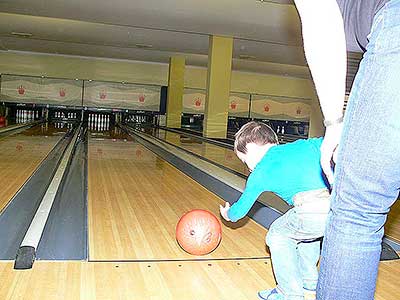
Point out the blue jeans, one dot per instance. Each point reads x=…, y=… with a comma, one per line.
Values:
x=294, y=242
x=367, y=174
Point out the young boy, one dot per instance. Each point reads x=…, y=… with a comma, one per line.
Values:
x=293, y=172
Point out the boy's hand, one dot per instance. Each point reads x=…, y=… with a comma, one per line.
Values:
x=224, y=210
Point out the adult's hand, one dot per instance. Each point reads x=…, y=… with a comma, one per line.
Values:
x=329, y=147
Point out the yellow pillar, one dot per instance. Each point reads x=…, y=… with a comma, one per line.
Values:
x=218, y=86
x=175, y=91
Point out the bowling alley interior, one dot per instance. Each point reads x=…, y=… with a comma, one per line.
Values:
x=117, y=128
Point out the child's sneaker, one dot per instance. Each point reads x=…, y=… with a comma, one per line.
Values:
x=309, y=294
x=270, y=295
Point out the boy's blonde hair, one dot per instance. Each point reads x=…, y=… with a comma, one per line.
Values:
x=254, y=132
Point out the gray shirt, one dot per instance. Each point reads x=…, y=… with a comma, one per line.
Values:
x=358, y=16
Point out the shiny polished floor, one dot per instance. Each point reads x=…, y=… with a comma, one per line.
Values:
x=135, y=199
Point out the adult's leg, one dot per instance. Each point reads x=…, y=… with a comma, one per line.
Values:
x=367, y=176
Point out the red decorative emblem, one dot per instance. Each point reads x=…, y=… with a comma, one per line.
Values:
x=233, y=105
x=138, y=153
x=298, y=111
x=62, y=92
x=21, y=90
x=142, y=98
x=197, y=102
x=266, y=108
x=103, y=95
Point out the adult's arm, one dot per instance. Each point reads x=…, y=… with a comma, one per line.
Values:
x=325, y=50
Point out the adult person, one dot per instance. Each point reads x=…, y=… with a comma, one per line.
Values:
x=367, y=174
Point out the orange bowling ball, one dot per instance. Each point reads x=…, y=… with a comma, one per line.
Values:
x=198, y=232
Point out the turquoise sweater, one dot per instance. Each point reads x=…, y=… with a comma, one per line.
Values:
x=284, y=170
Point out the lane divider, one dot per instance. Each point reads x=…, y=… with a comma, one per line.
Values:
x=26, y=253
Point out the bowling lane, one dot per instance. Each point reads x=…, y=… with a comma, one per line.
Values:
x=168, y=280
x=136, y=199
x=222, y=280
x=392, y=226
x=218, y=154
x=21, y=154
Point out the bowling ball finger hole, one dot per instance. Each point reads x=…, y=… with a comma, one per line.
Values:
x=208, y=237
x=192, y=232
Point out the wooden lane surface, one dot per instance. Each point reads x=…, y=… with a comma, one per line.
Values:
x=20, y=155
x=392, y=227
x=83, y=280
x=136, y=200
x=218, y=154
x=72, y=280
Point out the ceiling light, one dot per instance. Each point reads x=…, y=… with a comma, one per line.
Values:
x=22, y=34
